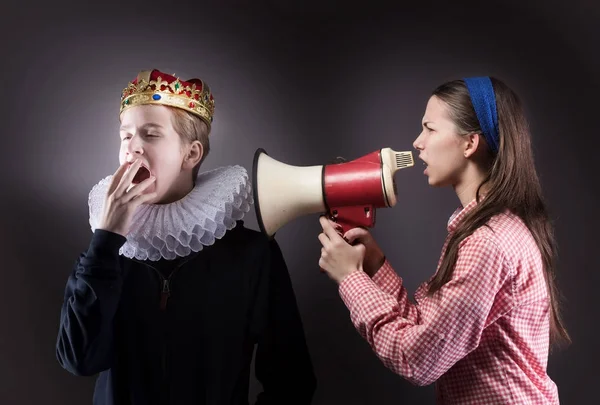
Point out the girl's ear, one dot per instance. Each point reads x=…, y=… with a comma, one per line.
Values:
x=471, y=144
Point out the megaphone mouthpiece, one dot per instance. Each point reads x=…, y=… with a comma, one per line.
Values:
x=396, y=160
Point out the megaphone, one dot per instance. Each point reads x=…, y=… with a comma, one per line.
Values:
x=348, y=192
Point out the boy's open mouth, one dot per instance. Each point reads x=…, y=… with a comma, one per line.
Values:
x=142, y=174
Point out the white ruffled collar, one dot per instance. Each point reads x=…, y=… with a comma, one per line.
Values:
x=220, y=197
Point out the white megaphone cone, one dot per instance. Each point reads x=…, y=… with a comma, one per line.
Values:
x=283, y=192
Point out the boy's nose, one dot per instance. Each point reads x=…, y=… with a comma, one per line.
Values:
x=135, y=147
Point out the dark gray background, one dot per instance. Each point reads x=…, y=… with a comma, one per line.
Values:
x=307, y=81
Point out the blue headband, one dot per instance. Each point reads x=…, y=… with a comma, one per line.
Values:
x=484, y=103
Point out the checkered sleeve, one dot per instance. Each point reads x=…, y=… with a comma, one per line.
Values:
x=390, y=283
x=449, y=325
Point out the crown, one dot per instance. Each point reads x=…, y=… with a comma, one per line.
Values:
x=156, y=87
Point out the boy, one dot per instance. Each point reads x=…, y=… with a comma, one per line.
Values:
x=173, y=293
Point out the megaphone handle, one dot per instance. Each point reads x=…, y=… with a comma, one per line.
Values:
x=353, y=217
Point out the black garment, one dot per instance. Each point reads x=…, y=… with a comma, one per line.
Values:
x=187, y=339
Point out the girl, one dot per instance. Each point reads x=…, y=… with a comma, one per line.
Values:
x=173, y=293
x=480, y=326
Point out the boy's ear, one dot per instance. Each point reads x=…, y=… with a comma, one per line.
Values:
x=194, y=155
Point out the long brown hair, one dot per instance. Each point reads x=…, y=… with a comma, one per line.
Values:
x=512, y=183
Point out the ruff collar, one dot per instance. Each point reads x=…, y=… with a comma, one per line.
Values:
x=219, y=198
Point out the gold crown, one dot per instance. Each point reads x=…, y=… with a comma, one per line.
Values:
x=155, y=87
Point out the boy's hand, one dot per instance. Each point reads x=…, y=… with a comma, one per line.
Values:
x=120, y=203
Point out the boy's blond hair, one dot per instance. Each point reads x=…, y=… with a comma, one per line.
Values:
x=191, y=128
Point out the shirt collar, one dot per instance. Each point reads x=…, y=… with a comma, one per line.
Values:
x=459, y=215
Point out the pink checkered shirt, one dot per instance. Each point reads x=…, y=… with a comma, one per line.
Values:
x=483, y=338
